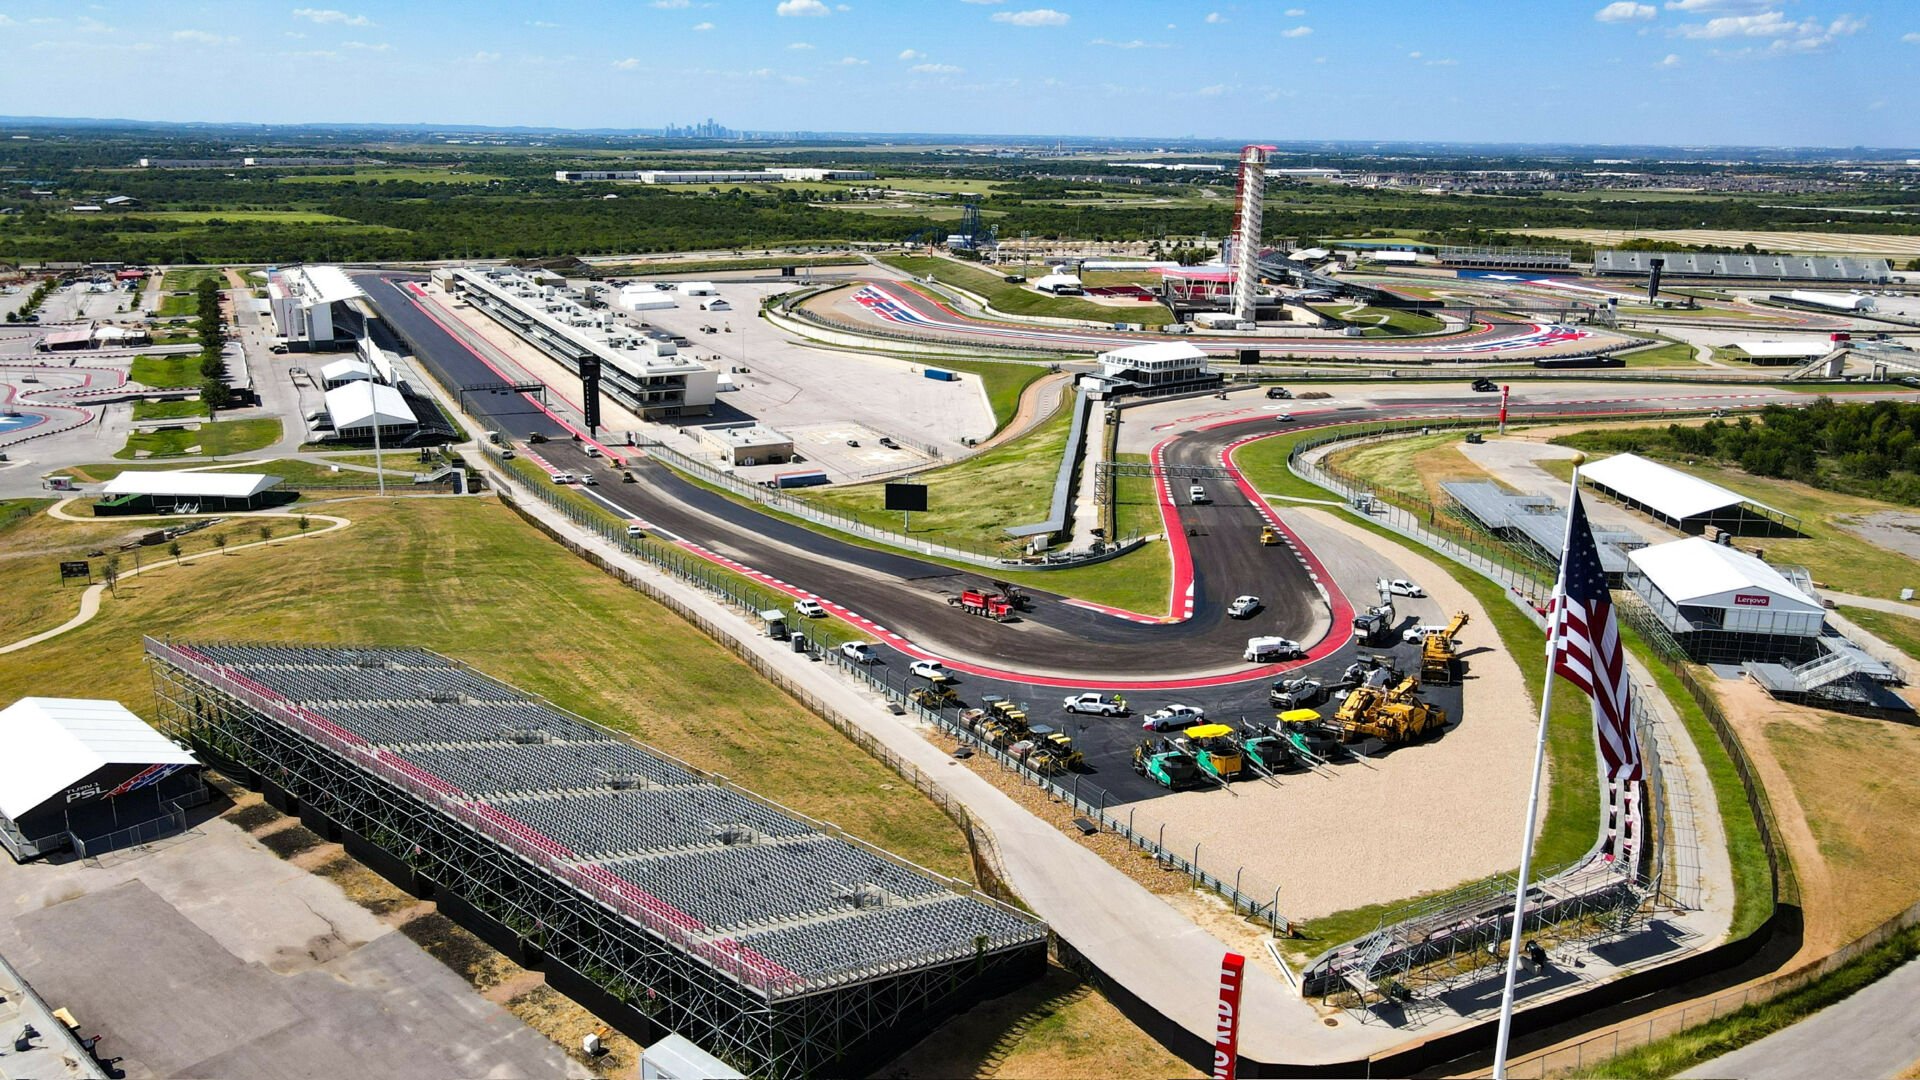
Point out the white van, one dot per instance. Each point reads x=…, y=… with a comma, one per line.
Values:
x=1197, y=495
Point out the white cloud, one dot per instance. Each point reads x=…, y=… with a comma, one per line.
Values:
x=669, y=5
x=1211, y=91
x=1671, y=60
x=701, y=28
x=936, y=69
x=5, y=19
x=1297, y=31
x=801, y=8
x=1414, y=55
x=1911, y=39
x=911, y=54
x=1786, y=35
x=628, y=64
x=800, y=45
x=851, y=61
x=368, y=46
x=1444, y=62
x=1136, y=43
x=1215, y=17
x=1624, y=11
x=1296, y=13
x=1719, y=5
x=201, y=37
x=542, y=24
x=331, y=15
x=484, y=57
x=1035, y=17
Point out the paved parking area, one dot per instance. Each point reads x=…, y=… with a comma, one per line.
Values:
x=207, y=956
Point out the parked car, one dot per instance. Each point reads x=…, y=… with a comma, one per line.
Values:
x=1173, y=718
x=811, y=609
x=563, y=478
x=1278, y=392
x=1096, y=705
x=1403, y=587
x=589, y=480
x=1485, y=386
x=1197, y=495
x=859, y=652
x=1414, y=635
x=931, y=670
x=1243, y=607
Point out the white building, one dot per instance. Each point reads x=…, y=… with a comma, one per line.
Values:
x=301, y=299
x=356, y=408
x=1726, y=606
x=750, y=444
x=1162, y=366
x=646, y=298
x=698, y=288
x=646, y=376
x=707, y=176
x=1060, y=284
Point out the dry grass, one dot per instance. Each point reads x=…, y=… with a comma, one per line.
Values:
x=1416, y=465
x=547, y=1011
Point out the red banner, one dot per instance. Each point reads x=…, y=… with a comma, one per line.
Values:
x=1226, y=1030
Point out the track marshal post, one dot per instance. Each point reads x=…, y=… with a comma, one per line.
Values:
x=1226, y=1031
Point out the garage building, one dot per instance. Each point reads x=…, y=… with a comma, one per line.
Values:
x=88, y=775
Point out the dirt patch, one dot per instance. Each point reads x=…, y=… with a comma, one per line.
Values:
x=469, y=957
x=1059, y=1026
x=366, y=888
x=1889, y=529
x=554, y=1015
x=290, y=841
x=254, y=816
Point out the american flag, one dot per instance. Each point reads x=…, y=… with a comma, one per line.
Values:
x=1584, y=647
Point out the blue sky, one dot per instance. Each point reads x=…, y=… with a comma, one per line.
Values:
x=1762, y=72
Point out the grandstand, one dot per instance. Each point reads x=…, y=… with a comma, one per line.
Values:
x=664, y=898
x=1767, y=267
x=1536, y=523
x=1506, y=258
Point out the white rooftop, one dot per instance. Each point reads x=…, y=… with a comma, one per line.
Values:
x=1697, y=571
x=191, y=484
x=1672, y=493
x=1157, y=351
x=1056, y=281
x=351, y=368
x=357, y=404
x=48, y=744
x=328, y=284
x=1805, y=347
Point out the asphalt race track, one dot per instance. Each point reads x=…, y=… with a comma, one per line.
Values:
x=1059, y=647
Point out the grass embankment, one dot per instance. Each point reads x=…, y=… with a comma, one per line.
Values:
x=168, y=410
x=177, y=305
x=971, y=502
x=165, y=372
x=468, y=578
x=1899, y=631
x=211, y=439
x=1672, y=354
x=1679, y=1053
x=1416, y=465
x=1015, y=299
x=1382, y=322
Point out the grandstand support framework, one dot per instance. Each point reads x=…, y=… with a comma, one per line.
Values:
x=636, y=960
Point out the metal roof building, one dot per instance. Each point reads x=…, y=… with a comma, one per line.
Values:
x=1726, y=606
x=76, y=771
x=302, y=298
x=357, y=407
x=1680, y=500
x=1774, y=267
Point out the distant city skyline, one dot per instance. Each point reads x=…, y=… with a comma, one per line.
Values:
x=1668, y=72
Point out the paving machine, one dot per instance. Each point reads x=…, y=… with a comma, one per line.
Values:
x=1268, y=751
x=1439, y=662
x=1167, y=765
x=1215, y=750
x=1015, y=595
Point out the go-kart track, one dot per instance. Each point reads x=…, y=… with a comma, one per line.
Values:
x=902, y=307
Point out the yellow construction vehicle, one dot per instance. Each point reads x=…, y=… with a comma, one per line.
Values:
x=1439, y=663
x=1217, y=751
x=940, y=695
x=1394, y=715
x=1053, y=752
x=1004, y=723
x=1269, y=536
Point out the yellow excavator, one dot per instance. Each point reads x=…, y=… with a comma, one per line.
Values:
x=1392, y=714
x=1439, y=664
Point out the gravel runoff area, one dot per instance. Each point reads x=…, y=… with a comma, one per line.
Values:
x=1418, y=819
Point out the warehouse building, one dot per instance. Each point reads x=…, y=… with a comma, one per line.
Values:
x=302, y=299
x=88, y=775
x=708, y=176
x=1682, y=501
x=1724, y=606
x=648, y=377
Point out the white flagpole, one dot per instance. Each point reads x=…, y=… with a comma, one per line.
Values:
x=1533, y=795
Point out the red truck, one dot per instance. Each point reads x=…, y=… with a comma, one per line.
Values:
x=989, y=605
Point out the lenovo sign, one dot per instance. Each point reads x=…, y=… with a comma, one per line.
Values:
x=1751, y=599
x=1226, y=1029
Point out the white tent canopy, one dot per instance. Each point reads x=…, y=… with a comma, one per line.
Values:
x=181, y=483
x=1805, y=348
x=49, y=744
x=1696, y=572
x=1668, y=492
x=367, y=404
x=352, y=369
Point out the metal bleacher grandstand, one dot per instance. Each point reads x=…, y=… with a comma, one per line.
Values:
x=1535, y=522
x=777, y=942
x=1507, y=258
x=1764, y=267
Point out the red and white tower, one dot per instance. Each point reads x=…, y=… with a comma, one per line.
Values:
x=1248, y=205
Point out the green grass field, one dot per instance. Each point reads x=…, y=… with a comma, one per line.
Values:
x=201, y=217
x=376, y=175
x=168, y=410
x=166, y=372
x=1899, y=631
x=468, y=578
x=188, y=278
x=1672, y=354
x=177, y=305
x=214, y=439
x=1382, y=322
x=1018, y=300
